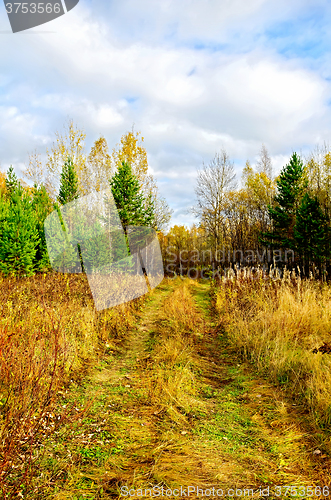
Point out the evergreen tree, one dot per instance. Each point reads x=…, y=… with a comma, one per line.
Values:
x=133, y=210
x=69, y=191
x=12, y=182
x=129, y=199
x=4, y=209
x=311, y=232
x=69, y=183
x=19, y=235
x=42, y=206
x=62, y=252
x=290, y=186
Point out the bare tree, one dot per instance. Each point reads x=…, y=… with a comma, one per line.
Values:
x=214, y=181
x=264, y=163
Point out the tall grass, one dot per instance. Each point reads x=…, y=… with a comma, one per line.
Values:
x=276, y=323
x=173, y=385
x=50, y=334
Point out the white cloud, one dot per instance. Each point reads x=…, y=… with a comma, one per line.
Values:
x=188, y=103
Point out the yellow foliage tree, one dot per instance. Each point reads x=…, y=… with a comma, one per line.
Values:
x=132, y=151
x=2, y=182
x=72, y=144
x=318, y=175
x=100, y=165
x=35, y=171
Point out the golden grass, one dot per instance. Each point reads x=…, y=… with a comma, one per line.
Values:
x=50, y=333
x=276, y=324
x=169, y=403
x=172, y=385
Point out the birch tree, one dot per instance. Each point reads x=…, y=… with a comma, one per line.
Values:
x=214, y=181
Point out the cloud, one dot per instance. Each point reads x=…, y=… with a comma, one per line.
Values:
x=192, y=76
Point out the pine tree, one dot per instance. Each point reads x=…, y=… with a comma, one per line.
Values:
x=311, y=232
x=12, y=182
x=42, y=205
x=133, y=210
x=69, y=183
x=290, y=186
x=69, y=191
x=62, y=252
x=129, y=199
x=19, y=235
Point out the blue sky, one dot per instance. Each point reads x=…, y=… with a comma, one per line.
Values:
x=193, y=76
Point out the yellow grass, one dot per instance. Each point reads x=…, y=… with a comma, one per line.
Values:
x=173, y=385
x=50, y=333
x=276, y=324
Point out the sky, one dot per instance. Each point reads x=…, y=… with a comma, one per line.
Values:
x=194, y=76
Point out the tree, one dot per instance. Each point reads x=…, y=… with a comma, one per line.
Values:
x=19, y=234
x=42, y=206
x=213, y=183
x=12, y=182
x=36, y=172
x=311, y=232
x=68, y=193
x=264, y=163
x=290, y=187
x=70, y=144
x=318, y=172
x=69, y=183
x=133, y=208
x=258, y=193
x=132, y=151
x=100, y=165
x=2, y=183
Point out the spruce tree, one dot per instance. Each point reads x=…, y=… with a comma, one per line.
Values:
x=69, y=191
x=19, y=234
x=311, y=232
x=12, y=182
x=129, y=199
x=133, y=209
x=42, y=206
x=290, y=186
x=62, y=252
x=69, y=183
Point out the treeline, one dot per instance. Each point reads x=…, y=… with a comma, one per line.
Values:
x=279, y=221
x=23, y=209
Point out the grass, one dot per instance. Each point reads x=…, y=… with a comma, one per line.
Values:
x=50, y=334
x=276, y=324
x=172, y=401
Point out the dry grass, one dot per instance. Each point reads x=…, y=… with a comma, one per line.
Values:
x=50, y=334
x=172, y=386
x=169, y=403
x=276, y=323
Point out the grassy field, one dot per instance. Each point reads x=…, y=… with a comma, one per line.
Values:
x=278, y=325
x=193, y=385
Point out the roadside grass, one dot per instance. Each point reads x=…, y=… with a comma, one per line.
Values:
x=50, y=335
x=82, y=460
x=176, y=406
x=253, y=425
x=171, y=402
x=276, y=325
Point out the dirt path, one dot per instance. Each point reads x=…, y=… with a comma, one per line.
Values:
x=175, y=408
